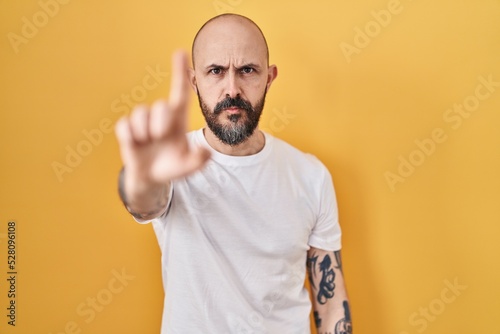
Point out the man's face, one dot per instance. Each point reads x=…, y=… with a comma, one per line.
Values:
x=231, y=78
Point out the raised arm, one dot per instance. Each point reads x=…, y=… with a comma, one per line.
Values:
x=154, y=148
x=329, y=296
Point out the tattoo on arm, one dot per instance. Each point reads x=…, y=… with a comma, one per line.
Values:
x=326, y=285
x=325, y=289
x=142, y=215
x=338, y=258
x=317, y=319
x=121, y=186
x=121, y=191
x=344, y=326
x=311, y=265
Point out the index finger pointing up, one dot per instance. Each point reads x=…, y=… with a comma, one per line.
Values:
x=179, y=89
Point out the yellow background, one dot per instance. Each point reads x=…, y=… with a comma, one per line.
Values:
x=359, y=113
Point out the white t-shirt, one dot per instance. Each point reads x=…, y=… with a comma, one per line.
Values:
x=235, y=238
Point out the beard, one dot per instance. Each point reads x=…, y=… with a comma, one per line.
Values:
x=240, y=126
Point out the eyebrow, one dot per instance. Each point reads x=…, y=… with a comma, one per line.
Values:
x=238, y=68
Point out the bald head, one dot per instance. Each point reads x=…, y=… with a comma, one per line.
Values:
x=229, y=31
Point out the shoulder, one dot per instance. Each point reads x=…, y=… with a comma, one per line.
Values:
x=193, y=136
x=296, y=157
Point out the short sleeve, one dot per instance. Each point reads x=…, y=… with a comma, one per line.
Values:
x=326, y=233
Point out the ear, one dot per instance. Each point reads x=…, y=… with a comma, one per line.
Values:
x=192, y=80
x=272, y=73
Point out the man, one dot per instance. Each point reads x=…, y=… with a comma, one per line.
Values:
x=237, y=212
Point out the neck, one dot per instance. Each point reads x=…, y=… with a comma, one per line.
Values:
x=254, y=144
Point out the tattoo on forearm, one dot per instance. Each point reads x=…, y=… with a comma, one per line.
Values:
x=325, y=290
x=326, y=286
x=311, y=265
x=142, y=215
x=338, y=258
x=317, y=319
x=121, y=186
x=121, y=190
x=344, y=326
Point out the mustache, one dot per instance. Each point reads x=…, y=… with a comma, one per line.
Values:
x=236, y=102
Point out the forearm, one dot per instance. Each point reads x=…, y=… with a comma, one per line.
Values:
x=143, y=200
x=329, y=296
x=333, y=317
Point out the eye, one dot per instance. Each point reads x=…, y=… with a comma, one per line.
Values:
x=216, y=71
x=247, y=70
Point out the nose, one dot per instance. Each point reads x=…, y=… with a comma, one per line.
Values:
x=233, y=85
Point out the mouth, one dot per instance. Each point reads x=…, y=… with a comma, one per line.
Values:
x=233, y=110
